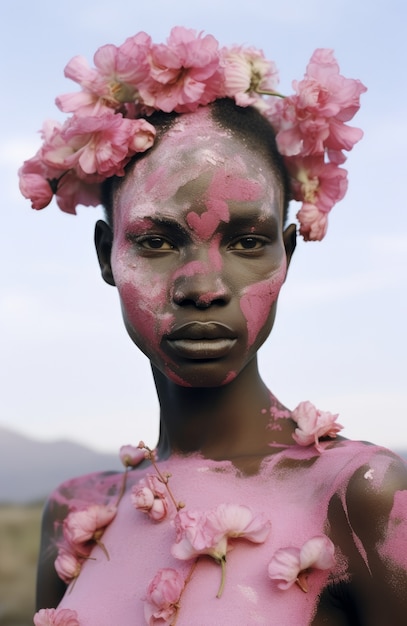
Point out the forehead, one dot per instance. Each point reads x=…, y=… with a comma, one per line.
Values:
x=197, y=159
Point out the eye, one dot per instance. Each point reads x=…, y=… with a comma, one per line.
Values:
x=156, y=243
x=151, y=243
x=248, y=243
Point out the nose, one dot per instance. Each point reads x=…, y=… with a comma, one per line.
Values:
x=201, y=285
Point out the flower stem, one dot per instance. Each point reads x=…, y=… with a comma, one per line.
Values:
x=188, y=578
x=266, y=92
x=164, y=479
x=123, y=487
x=222, y=563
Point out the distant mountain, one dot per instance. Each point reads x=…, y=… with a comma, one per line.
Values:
x=31, y=469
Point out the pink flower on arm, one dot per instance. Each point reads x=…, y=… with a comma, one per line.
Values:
x=292, y=565
x=56, y=617
x=247, y=73
x=79, y=527
x=313, y=424
x=163, y=594
x=67, y=566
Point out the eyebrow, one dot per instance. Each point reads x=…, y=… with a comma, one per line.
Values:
x=160, y=221
x=238, y=222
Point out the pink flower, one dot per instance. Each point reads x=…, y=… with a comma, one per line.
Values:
x=89, y=524
x=313, y=424
x=100, y=144
x=162, y=597
x=208, y=533
x=115, y=80
x=131, y=456
x=67, y=565
x=184, y=72
x=313, y=119
x=291, y=565
x=313, y=222
x=150, y=496
x=34, y=184
x=56, y=617
x=247, y=73
x=71, y=191
x=316, y=182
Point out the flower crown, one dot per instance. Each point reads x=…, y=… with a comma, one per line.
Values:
x=108, y=122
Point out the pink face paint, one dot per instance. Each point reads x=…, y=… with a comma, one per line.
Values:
x=223, y=188
x=258, y=299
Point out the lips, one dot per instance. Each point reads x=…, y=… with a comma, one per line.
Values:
x=202, y=340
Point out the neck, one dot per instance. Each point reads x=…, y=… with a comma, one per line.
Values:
x=236, y=421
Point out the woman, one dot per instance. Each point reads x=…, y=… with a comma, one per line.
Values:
x=247, y=512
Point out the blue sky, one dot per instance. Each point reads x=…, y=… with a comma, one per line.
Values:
x=68, y=368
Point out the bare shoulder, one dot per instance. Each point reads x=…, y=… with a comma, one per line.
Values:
x=77, y=493
x=374, y=509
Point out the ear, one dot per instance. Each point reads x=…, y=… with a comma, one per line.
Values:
x=290, y=241
x=103, y=243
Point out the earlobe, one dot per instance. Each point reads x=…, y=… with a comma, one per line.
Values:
x=290, y=241
x=103, y=243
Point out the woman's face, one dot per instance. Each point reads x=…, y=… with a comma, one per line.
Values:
x=198, y=252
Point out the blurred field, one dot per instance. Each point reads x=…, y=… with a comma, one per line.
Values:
x=19, y=543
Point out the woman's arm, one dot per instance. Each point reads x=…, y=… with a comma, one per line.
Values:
x=375, y=505
x=50, y=588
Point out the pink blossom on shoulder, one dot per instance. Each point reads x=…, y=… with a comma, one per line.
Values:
x=163, y=594
x=56, y=617
x=292, y=565
x=88, y=524
x=247, y=73
x=150, y=497
x=131, y=456
x=313, y=424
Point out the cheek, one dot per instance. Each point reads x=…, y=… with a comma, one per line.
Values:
x=257, y=301
x=143, y=298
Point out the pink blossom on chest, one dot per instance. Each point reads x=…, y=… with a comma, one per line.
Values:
x=208, y=532
x=151, y=497
x=162, y=597
x=292, y=565
x=313, y=424
x=56, y=617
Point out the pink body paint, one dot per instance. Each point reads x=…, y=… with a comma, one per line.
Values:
x=257, y=300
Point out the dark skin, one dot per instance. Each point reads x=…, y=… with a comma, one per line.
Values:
x=228, y=422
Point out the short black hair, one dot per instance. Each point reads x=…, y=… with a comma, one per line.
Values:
x=247, y=123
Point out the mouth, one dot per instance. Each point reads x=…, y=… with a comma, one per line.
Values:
x=202, y=340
